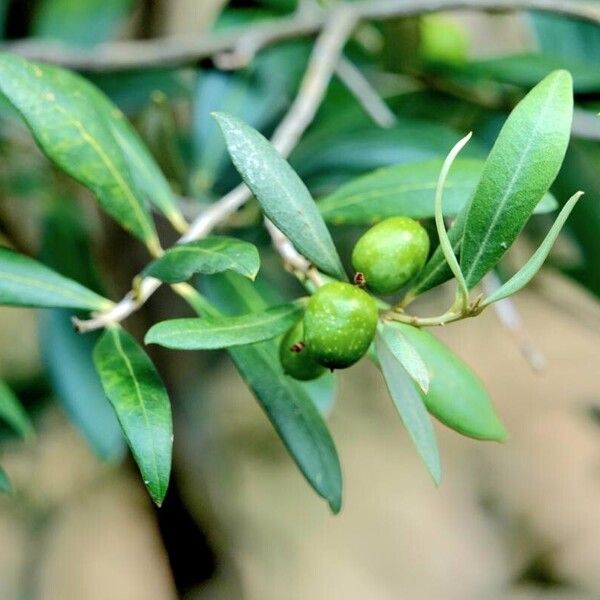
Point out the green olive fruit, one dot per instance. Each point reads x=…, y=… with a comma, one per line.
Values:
x=391, y=253
x=295, y=358
x=339, y=324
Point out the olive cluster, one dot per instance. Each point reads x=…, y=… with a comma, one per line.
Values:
x=340, y=320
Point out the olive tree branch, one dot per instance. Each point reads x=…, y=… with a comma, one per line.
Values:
x=321, y=67
x=180, y=50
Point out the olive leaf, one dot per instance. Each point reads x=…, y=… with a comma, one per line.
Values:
x=210, y=333
x=145, y=172
x=445, y=243
x=406, y=354
x=289, y=404
x=281, y=193
x=13, y=412
x=517, y=174
x=209, y=255
x=520, y=279
x=5, y=486
x=518, y=171
x=141, y=404
x=70, y=130
x=407, y=190
x=410, y=406
x=456, y=397
x=27, y=282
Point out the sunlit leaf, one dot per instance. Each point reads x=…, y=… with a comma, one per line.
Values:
x=209, y=333
x=518, y=172
x=72, y=133
x=141, y=403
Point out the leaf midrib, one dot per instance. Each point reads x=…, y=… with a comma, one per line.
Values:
x=129, y=366
x=509, y=189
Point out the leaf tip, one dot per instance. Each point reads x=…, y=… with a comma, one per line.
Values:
x=335, y=504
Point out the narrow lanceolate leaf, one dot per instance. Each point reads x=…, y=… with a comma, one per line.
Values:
x=5, y=486
x=209, y=255
x=288, y=404
x=407, y=190
x=519, y=170
x=404, y=352
x=71, y=131
x=445, y=242
x=140, y=400
x=145, y=172
x=281, y=193
x=520, y=279
x=409, y=404
x=27, y=282
x=456, y=396
x=13, y=413
x=210, y=333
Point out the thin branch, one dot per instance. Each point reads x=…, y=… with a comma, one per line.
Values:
x=189, y=49
x=292, y=259
x=364, y=92
x=320, y=70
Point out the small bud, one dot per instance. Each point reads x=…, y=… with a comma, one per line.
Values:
x=297, y=347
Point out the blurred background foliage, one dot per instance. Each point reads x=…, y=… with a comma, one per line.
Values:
x=520, y=521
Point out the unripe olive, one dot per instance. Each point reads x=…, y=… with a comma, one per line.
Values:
x=391, y=253
x=339, y=324
x=295, y=358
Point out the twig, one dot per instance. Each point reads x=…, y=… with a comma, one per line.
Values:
x=292, y=259
x=320, y=70
x=364, y=92
x=189, y=49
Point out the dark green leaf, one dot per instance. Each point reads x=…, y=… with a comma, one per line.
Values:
x=140, y=400
x=208, y=256
x=410, y=406
x=520, y=279
x=5, y=486
x=518, y=172
x=456, y=397
x=286, y=402
x=360, y=149
x=27, y=282
x=209, y=333
x=407, y=190
x=13, y=413
x=281, y=193
x=72, y=133
x=145, y=172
